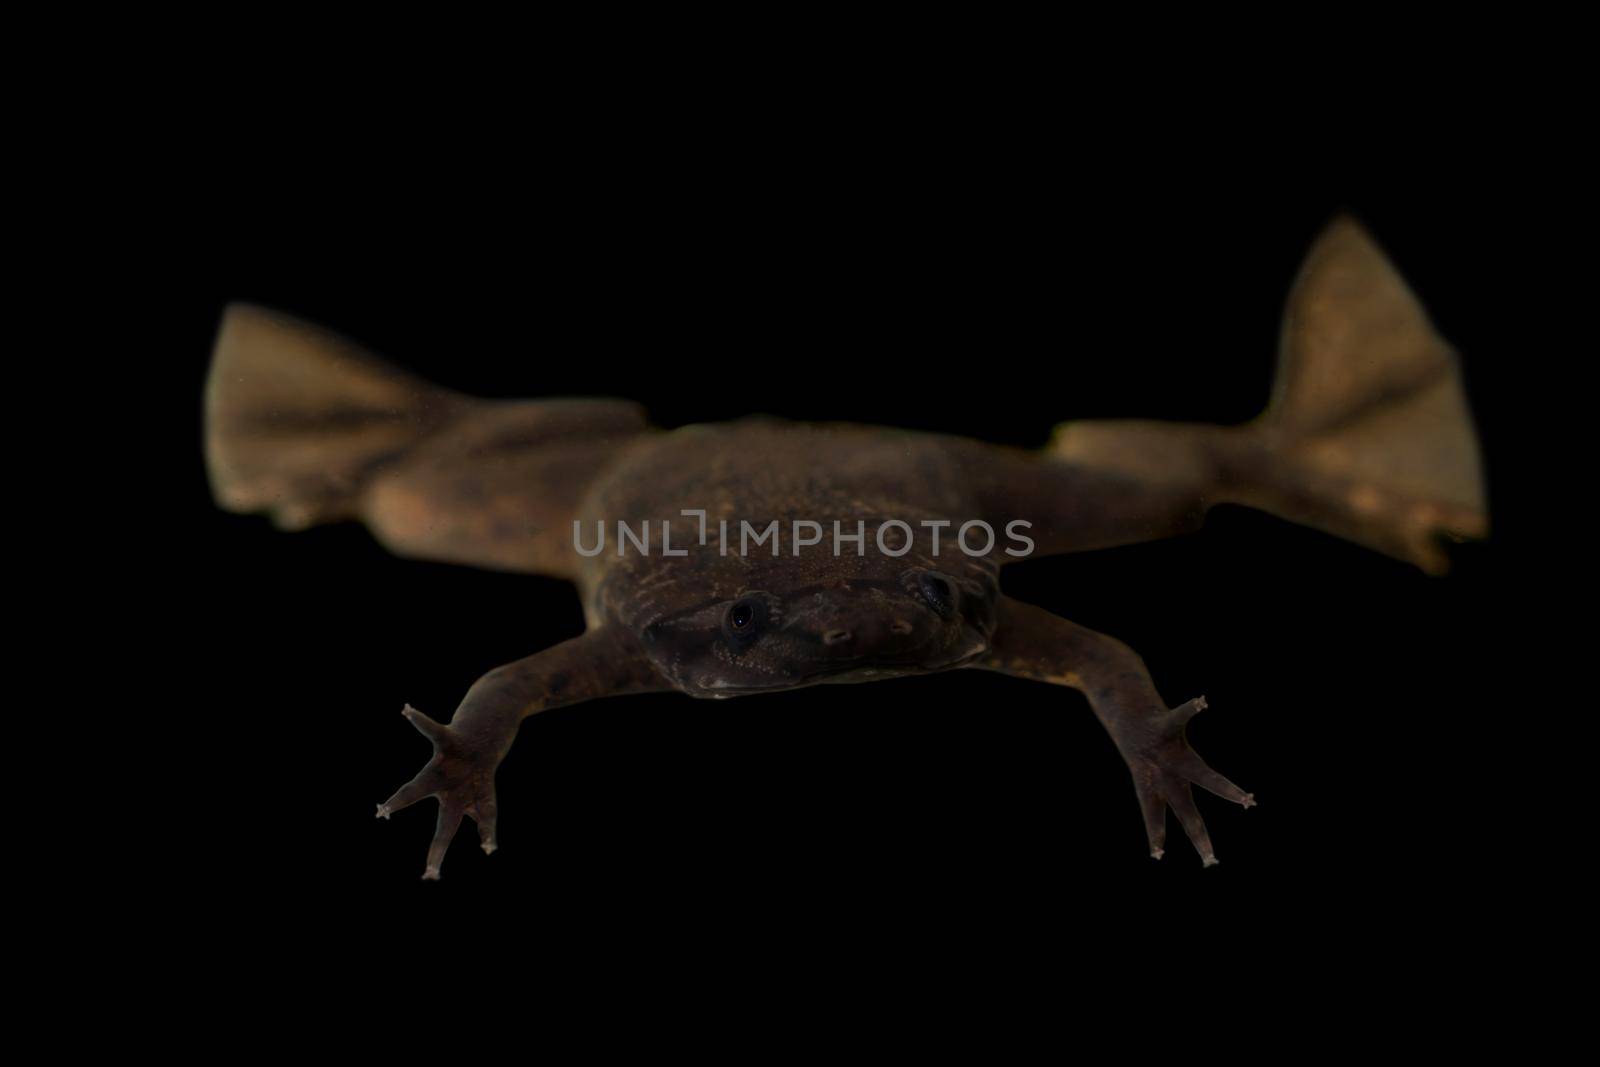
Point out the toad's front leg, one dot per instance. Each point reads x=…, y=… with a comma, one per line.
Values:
x=1032, y=643
x=467, y=752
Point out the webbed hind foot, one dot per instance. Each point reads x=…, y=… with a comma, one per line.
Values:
x=1368, y=435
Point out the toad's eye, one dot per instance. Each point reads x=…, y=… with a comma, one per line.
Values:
x=937, y=592
x=742, y=620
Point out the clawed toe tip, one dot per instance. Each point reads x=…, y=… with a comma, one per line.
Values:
x=1209, y=861
x=383, y=811
x=429, y=728
x=1157, y=853
x=489, y=847
x=431, y=874
x=1249, y=800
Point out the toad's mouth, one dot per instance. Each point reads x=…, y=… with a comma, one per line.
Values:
x=845, y=674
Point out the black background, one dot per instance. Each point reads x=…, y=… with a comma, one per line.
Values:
x=989, y=288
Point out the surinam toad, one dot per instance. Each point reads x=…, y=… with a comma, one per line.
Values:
x=1367, y=436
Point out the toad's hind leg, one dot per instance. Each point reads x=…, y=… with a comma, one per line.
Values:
x=311, y=428
x=1368, y=435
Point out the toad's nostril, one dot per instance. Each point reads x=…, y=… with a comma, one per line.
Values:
x=900, y=626
x=836, y=637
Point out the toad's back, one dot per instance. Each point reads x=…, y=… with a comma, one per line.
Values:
x=760, y=469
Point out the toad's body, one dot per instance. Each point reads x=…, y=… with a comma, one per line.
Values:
x=832, y=611
x=1367, y=437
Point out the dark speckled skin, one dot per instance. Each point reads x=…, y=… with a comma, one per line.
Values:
x=1368, y=436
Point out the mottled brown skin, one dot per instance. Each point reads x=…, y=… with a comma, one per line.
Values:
x=1368, y=436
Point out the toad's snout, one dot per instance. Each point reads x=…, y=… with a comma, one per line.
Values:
x=847, y=625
